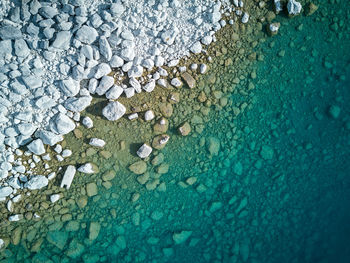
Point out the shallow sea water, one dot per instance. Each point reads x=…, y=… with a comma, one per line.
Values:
x=275, y=188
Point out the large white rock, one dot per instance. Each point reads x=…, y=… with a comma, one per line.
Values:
x=86, y=34
x=5, y=191
x=48, y=137
x=36, y=182
x=293, y=7
x=97, y=142
x=62, y=40
x=114, y=92
x=149, y=115
x=103, y=69
x=61, y=124
x=69, y=87
x=116, y=62
x=105, y=84
x=86, y=168
x=114, y=111
x=149, y=87
x=77, y=104
x=144, y=151
x=36, y=147
x=68, y=177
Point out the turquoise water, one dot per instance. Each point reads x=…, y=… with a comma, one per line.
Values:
x=272, y=184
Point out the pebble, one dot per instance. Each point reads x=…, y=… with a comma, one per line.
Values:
x=91, y=189
x=266, y=152
x=138, y=167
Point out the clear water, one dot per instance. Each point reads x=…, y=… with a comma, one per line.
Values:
x=277, y=191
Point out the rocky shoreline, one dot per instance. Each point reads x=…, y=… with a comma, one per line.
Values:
x=156, y=115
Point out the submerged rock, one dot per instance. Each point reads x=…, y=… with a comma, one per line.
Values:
x=139, y=167
x=94, y=230
x=185, y=129
x=213, y=146
x=160, y=141
x=57, y=238
x=181, y=237
x=273, y=28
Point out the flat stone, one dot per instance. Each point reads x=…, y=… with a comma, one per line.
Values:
x=108, y=176
x=62, y=40
x=54, y=198
x=91, y=189
x=196, y=48
x=77, y=104
x=117, y=9
x=5, y=48
x=86, y=34
x=113, y=111
x=36, y=182
x=213, y=145
x=160, y=141
x=10, y=32
x=21, y=48
x=48, y=11
x=68, y=177
x=149, y=115
x=36, y=147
